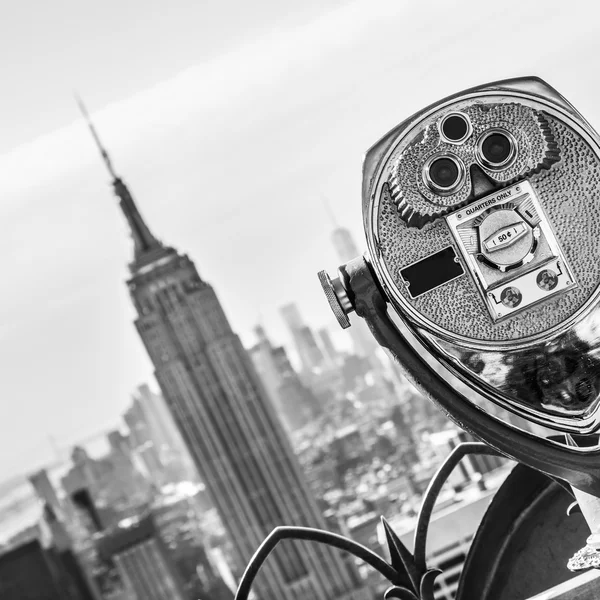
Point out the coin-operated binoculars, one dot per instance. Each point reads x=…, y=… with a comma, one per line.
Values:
x=482, y=279
x=482, y=276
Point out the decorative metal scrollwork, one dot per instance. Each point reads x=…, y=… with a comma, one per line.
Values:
x=407, y=572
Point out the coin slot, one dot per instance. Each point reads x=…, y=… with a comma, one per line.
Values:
x=431, y=272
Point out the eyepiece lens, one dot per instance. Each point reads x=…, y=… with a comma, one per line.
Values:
x=444, y=172
x=455, y=128
x=496, y=148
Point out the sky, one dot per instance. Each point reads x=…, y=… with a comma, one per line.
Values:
x=232, y=123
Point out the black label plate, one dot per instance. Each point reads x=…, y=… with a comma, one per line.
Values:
x=431, y=272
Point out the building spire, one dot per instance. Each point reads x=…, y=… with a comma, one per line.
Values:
x=143, y=239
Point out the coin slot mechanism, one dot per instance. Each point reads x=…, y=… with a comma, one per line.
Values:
x=508, y=246
x=431, y=272
x=505, y=237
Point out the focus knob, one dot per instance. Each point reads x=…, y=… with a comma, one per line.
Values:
x=337, y=297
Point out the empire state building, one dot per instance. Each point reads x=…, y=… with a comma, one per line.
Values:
x=222, y=410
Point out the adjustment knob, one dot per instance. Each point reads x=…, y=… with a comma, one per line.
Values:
x=337, y=297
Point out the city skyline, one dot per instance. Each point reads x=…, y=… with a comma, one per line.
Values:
x=225, y=416
x=293, y=89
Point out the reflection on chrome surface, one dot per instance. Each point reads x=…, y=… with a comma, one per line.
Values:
x=555, y=382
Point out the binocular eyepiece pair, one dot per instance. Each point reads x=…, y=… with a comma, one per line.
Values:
x=444, y=173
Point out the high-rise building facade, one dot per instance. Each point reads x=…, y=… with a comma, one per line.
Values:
x=72, y=522
x=310, y=354
x=61, y=519
x=222, y=411
x=329, y=349
x=156, y=439
x=177, y=519
x=113, y=482
x=344, y=245
x=300, y=404
x=161, y=427
x=142, y=560
x=38, y=569
x=262, y=357
x=295, y=403
x=27, y=571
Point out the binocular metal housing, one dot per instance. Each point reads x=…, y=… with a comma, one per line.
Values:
x=482, y=274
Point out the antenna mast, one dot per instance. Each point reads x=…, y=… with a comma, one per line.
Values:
x=103, y=152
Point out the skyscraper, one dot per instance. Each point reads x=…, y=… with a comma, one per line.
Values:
x=262, y=357
x=329, y=349
x=112, y=483
x=177, y=518
x=39, y=563
x=344, y=245
x=222, y=411
x=155, y=436
x=295, y=403
x=142, y=559
x=61, y=519
x=309, y=352
x=32, y=571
